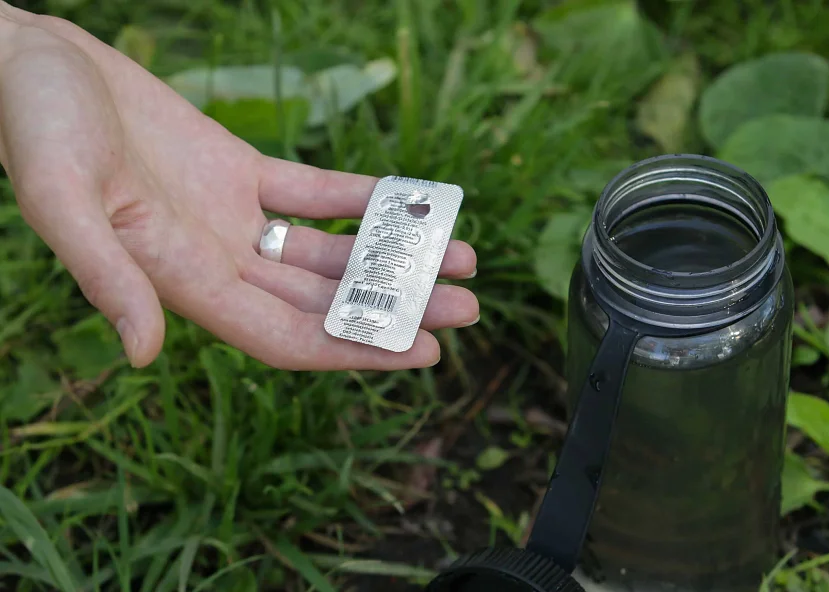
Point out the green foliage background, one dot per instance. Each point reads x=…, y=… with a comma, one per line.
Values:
x=210, y=471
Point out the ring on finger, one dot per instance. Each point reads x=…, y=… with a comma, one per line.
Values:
x=272, y=241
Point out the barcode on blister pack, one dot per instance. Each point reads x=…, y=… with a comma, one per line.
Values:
x=422, y=182
x=372, y=298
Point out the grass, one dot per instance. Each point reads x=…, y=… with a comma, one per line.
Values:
x=210, y=471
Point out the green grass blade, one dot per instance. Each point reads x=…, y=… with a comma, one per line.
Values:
x=291, y=463
x=409, y=88
x=371, y=567
x=28, y=571
x=188, y=556
x=95, y=503
x=300, y=562
x=194, y=469
x=123, y=533
x=221, y=408
x=170, y=580
x=23, y=523
x=120, y=459
x=167, y=393
x=206, y=584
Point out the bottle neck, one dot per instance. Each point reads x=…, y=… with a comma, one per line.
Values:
x=670, y=294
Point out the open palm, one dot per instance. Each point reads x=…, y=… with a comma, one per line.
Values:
x=149, y=203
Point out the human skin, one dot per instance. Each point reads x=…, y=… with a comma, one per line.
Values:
x=149, y=203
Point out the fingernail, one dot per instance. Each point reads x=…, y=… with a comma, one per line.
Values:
x=470, y=323
x=128, y=338
x=472, y=275
x=436, y=362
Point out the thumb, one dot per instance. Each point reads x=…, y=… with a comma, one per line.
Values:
x=81, y=236
x=61, y=143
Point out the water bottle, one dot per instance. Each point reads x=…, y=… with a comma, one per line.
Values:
x=679, y=348
x=691, y=490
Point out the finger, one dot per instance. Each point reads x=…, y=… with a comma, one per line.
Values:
x=304, y=191
x=327, y=254
x=83, y=240
x=300, y=288
x=449, y=306
x=279, y=335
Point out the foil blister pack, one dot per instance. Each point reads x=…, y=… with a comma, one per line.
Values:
x=394, y=263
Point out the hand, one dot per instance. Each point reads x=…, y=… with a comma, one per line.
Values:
x=147, y=202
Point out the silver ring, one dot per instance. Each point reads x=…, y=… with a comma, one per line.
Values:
x=272, y=241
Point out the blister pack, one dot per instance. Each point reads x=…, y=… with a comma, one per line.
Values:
x=394, y=262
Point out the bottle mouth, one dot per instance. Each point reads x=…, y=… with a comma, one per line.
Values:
x=683, y=241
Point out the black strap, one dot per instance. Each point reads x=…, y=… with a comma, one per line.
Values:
x=564, y=517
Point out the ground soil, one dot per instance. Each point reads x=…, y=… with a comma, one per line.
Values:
x=515, y=487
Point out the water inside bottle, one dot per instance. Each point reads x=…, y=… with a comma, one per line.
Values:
x=683, y=237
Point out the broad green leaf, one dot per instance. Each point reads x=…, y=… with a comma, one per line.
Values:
x=591, y=178
x=314, y=58
x=89, y=347
x=261, y=122
x=558, y=250
x=664, y=113
x=33, y=392
x=232, y=83
x=137, y=44
x=491, y=458
x=798, y=484
x=810, y=415
x=781, y=83
x=804, y=355
x=339, y=89
x=332, y=90
x=605, y=46
x=28, y=530
x=803, y=204
x=10, y=215
x=242, y=580
x=775, y=146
